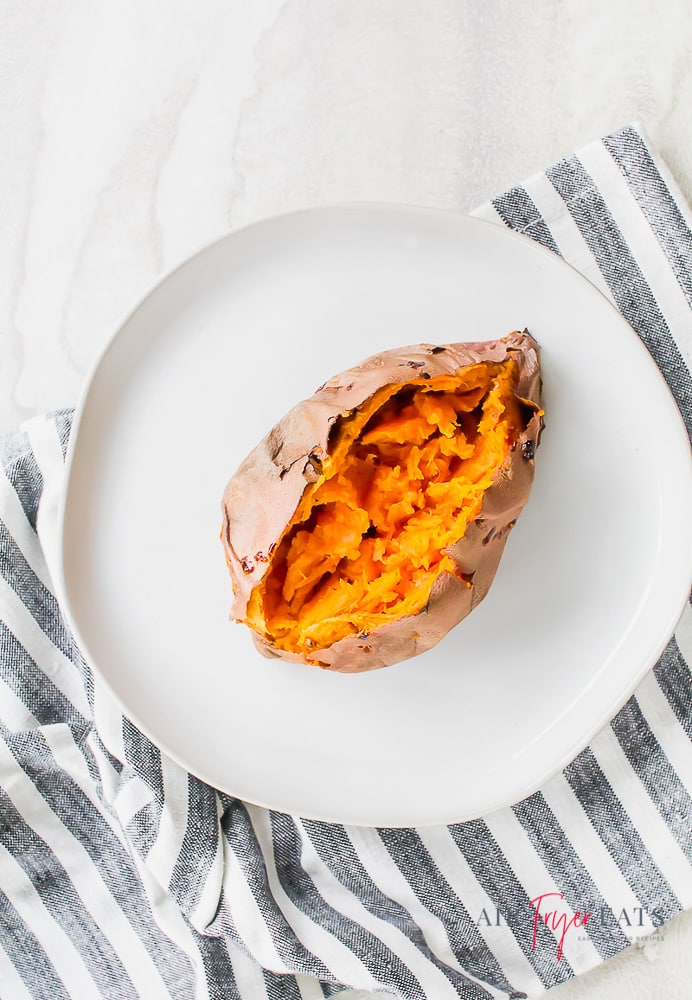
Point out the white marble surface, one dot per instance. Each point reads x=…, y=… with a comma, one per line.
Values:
x=133, y=133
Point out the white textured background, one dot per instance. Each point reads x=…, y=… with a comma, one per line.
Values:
x=131, y=133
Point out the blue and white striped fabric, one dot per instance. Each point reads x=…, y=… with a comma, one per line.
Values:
x=122, y=876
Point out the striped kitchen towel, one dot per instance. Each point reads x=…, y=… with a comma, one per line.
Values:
x=123, y=876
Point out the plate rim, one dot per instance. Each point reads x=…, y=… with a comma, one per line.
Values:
x=60, y=577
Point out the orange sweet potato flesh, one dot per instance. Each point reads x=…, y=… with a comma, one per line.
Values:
x=392, y=494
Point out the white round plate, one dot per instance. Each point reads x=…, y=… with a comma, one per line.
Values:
x=591, y=583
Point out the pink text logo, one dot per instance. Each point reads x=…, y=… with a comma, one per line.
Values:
x=558, y=920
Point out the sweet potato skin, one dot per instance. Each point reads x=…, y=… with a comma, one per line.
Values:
x=261, y=499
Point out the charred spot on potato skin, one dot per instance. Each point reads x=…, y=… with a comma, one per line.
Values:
x=247, y=565
x=437, y=350
x=489, y=536
x=426, y=375
x=312, y=470
x=261, y=557
x=528, y=451
x=313, y=457
x=414, y=364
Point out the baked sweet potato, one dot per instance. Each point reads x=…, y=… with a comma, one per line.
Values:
x=372, y=518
